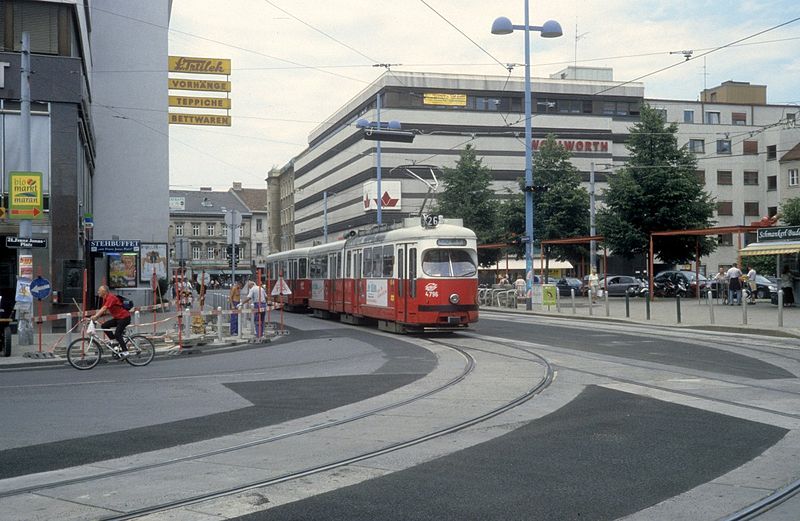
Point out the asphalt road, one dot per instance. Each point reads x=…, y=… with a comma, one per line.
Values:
x=636, y=419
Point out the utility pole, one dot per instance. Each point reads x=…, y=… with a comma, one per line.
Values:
x=592, y=231
x=25, y=309
x=233, y=219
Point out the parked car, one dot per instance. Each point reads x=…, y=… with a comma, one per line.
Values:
x=566, y=284
x=687, y=277
x=618, y=285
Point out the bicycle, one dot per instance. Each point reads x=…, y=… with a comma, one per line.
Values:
x=86, y=352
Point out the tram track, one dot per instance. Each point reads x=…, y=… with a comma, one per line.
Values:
x=469, y=367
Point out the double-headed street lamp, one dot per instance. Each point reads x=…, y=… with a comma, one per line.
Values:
x=550, y=29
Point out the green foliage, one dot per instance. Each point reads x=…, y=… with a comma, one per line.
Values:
x=790, y=211
x=657, y=190
x=764, y=264
x=466, y=195
x=563, y=210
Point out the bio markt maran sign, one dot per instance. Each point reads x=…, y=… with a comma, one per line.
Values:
x=577, y=145
x=25, y=195
x=196, y=102
x=199, y=119
x=204, y=85
x=786, y=233
x=199, y=65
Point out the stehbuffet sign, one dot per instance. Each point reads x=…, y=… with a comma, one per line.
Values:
x=193, y=65
x=785, y=233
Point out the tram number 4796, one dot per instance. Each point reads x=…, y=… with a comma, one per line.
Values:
x=431, y=221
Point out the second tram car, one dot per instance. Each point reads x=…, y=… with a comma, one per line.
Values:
x=414, y=278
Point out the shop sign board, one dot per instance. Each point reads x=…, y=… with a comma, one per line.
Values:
x=25, y=195
x=115, y=246
x=444, y=99
x=199, y=102
x=209, y=120
x=199, y=65
x=202, y=85
x=782, y=233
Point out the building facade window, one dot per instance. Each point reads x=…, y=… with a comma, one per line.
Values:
x=724, y=207
x=259, y=225
x=712, y=118
x=49, y=25
x=211, y=229
x=701, y=176
x=726, y=239
x=698, y=146
x=793, y=177
x=179, y=230
x=723, y=146
x=750, y=148
x=724, y=177
x=772, y=183
x=195, y=230
x=195, y=252
x=772, y=211
x=210, y=253
x=751, y=208
x=772, y=152
x=739, y=118
x=751, y=177
x=688, y=116
x=259, y=249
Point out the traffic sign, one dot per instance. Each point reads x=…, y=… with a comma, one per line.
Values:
x=21, y=242
x=40, y=288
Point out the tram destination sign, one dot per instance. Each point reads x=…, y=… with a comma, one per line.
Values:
x=784, y=233
x=24, y=242
x=115, y=246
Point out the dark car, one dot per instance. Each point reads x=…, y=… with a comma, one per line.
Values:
x=618, y=285
x=565, y=285
x=686, y=277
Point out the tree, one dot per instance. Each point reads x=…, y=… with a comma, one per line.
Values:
x=562, y=210
x=790, y=211
x=467, y=195
x=657, y=190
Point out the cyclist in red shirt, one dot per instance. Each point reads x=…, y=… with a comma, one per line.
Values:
x=120, y=317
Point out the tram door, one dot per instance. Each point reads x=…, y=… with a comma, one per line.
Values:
x=405, y=262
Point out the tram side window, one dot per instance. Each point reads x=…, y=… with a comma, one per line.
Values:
x=448, y=263
x=377, y=261
x=349, y=266
x=367, y=262
x=388, y=261
x=339, y=265
x=303, y=269
x=412, y=271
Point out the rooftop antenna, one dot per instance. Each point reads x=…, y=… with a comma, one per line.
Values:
x=577, y=37
x=687, y=54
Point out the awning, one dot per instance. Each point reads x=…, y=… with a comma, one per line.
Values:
x=519, y=265
x=770, y=248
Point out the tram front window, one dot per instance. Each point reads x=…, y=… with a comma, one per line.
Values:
x=448, y=263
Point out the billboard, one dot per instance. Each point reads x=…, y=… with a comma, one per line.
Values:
x=391, y=199
x=199, y=65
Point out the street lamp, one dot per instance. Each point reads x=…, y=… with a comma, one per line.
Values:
x=377, y=131
x=550, y=29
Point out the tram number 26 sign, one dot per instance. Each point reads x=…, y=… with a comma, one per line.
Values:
x=431, y=221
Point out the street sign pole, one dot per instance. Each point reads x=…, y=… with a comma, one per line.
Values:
x=25, y=309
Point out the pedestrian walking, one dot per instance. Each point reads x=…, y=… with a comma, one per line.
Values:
x=594, y=284
x=734, y=277
x=257, y=297
x=721, y=284
x=787, y=285
x=234, y=297
x=751, y=284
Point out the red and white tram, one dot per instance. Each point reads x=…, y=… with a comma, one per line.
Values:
x=408, y=279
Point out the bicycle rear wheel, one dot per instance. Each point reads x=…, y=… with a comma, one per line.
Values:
x=141, y=350
x=84, y=353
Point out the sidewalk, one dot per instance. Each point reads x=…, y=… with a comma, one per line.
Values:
x=56, y=343
x=762, y=318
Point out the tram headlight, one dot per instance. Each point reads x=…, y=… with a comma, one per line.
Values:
x=454, y=298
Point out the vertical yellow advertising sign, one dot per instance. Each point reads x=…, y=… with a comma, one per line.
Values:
x=25, y=195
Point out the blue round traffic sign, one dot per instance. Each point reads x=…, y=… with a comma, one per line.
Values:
x=40, y=288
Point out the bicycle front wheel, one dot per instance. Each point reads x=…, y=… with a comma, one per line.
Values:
x=84, y=353
x=141, y=350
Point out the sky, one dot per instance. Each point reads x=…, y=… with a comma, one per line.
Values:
x=294, y=63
